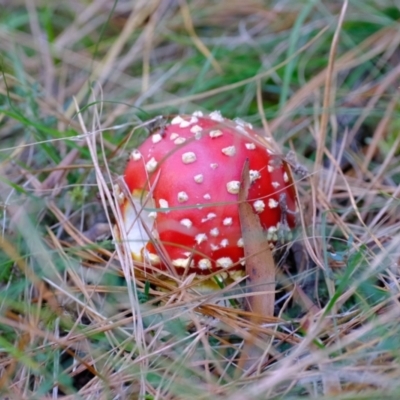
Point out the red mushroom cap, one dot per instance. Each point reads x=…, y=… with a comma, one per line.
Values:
x=192, y=169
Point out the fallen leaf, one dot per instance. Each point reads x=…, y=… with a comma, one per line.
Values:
x=260, y=265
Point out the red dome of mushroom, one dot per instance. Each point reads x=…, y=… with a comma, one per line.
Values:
x=192, y=169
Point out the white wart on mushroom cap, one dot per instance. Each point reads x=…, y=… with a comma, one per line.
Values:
x=193, y=171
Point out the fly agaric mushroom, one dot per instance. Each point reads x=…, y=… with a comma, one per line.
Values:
x=184, y=181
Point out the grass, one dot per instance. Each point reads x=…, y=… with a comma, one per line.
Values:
x=77, y=81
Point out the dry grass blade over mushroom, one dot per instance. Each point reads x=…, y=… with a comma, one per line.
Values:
x=138, y=260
